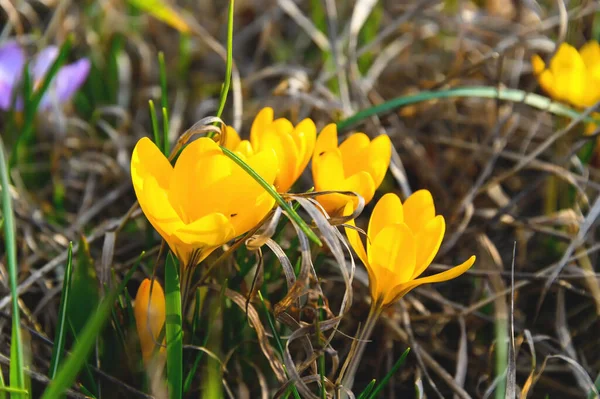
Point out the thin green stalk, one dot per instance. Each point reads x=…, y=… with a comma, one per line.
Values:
x=61, y=327
x=69, y=370
x=532, y=99
x=292, y=214
x=17, y=371
x=385, y=380
x=164, y=102
x=174, y=331
x=155, y=131
x=229, y=62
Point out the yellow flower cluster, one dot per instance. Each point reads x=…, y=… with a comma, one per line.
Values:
x=572, y=76
x=206, y=199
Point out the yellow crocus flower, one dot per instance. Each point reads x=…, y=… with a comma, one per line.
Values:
x=149, y=312
x=402, y=240
x=292, y=144
x=358, y=164
x=205, y=200
x=573, y=76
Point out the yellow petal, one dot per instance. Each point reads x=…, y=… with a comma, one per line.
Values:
x=418, y=210
x=354, y=236
x=456, y=271
x=429, y=240
x=355, y=153
x=205, y=234
x=262, y=120
x=199, y=168
x=328, y=171
x=387, y=211
x=569, y=72
x=232, y=138
x=537, y=64
x=380, y=154
x=305, y=136
x=590, y=54
x=287, y=155
x=149, y=312
x=250, y=202
x=362, y=184
x=244, y=149
x=148, y=160
x=392, y=257
x=156, y=206
x=282, y=126
x=327, y=140
x=544, y=76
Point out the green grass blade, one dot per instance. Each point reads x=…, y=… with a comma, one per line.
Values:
x=229, y=62
x=2, y=385
x=17, y=372
x=155, y=131
x=288, y=209
x=61, y=327
x=86, y=341
x=164, y=102
x=389, y=375
x=174, y=332
x=531, y=99
x=364, y=394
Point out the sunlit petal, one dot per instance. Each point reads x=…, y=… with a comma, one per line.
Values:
x=387, y=211
x=429, y=240
x=418, y=210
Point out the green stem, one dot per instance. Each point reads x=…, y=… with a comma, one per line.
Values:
x=532, y=99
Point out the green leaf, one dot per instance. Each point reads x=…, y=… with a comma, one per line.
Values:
x=85, y=293
x=162, y=11
x=288, y=209
x=17, y=365
x=70, y=368
x=534, y=100
x=229, y=62
x=364, y=394
x=174, y=332
x=61, y=327
x=389, y=375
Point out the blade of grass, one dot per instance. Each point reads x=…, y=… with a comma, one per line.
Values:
x=229, y=62
x=164, y=102
x=389, y=375
x=531, y=99
x=155, y=131
x=288, y=209
x=190, y=376
x=17, y=372
x=173, y=329
x=2, y=385
x=61, y=327
x=364, y=394
x=86, y=340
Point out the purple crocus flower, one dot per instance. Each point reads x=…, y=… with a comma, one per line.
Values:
x=66, y=82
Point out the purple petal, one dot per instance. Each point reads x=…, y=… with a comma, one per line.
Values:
x=42, y=62
x=66, y=82
x=12, y=60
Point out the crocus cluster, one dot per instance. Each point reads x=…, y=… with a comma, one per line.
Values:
x=572, y=76
x=66, y=82
x=206, y=199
